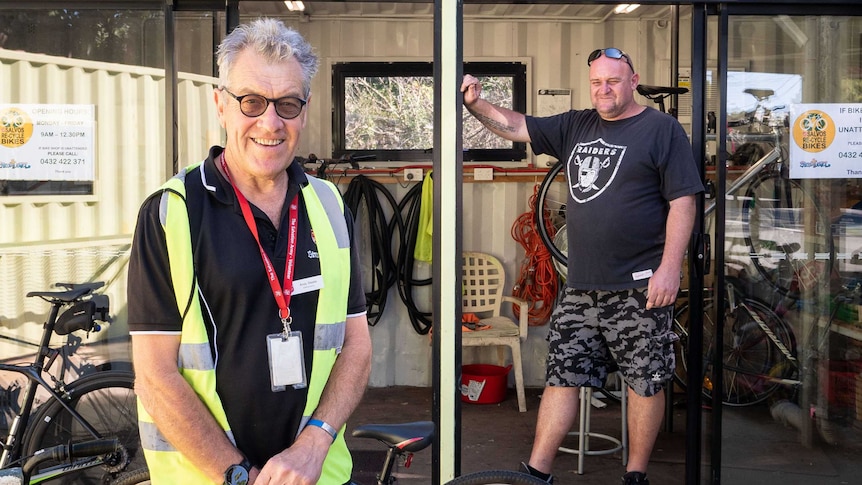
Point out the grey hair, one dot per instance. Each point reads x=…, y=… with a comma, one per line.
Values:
x=274, y=41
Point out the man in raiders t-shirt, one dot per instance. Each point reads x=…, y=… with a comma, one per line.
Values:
x=632, y=186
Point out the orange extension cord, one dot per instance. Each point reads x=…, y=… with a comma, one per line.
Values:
x=537, y=282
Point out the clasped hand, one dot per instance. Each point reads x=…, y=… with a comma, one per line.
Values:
x=301, y=464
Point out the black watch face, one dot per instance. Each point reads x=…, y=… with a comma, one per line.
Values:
x=236, y=475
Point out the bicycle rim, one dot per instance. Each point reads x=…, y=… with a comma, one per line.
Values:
x=499, y=477
x=107, y=401
x=551, y=215
x=789, y=238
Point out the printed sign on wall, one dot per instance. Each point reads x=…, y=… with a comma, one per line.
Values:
x=47, y=142
x=826, y=140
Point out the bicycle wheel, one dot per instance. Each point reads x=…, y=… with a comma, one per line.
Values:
x=499, y=477
x=551, y=215
x=759, y=351
x=134, y=477
x=106, y=400
x=789, y=237
x=753, y=362
x=680, y=327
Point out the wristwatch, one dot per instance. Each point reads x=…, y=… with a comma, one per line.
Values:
x=237, y=474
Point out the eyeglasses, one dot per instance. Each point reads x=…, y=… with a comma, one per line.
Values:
x=254, y=105
x=611, y=52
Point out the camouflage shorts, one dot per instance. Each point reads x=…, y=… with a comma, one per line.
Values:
x=593, y=333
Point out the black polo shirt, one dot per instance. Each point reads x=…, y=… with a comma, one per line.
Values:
x=237, y=299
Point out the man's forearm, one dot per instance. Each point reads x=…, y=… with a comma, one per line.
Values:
x=182, y=419
x=680, y=221
x=349, y=376
x=503, y=122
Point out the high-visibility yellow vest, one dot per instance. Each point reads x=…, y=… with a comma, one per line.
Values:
x=325, y=209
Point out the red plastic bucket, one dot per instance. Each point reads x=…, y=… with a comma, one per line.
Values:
x=483, y=383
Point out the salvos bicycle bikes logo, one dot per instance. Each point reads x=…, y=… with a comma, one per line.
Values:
x=813, y=131
x=592, y=167
x=16, y=128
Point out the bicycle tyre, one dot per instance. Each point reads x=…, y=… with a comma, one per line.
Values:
x=775, y=214
x=134, y=477
x=498, y=477
x=107, y=401
x=751, y=362
x=680, y=327
x=551, y=216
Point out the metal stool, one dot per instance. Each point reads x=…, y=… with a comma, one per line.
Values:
x=584, y=434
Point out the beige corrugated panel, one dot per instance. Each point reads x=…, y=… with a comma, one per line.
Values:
x=46, y=239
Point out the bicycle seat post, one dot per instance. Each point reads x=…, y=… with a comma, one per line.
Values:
x=44, y=345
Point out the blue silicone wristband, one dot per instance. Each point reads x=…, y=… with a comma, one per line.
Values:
x=325, y=427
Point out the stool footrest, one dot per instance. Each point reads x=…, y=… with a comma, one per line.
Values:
x=584, y=434
x=618, y=445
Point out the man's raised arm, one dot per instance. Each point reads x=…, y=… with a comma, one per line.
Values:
x=503, y=122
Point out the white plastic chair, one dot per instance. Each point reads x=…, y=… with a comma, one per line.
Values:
x=482, y=278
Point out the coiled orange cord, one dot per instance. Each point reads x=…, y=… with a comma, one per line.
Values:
x=537, y=282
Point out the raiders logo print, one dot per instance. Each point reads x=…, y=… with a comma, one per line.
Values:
x=591, y=168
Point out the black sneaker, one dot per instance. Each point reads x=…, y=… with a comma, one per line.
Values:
x=536, y=473
x=635, y=478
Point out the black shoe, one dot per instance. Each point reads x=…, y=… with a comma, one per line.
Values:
x=536, y=473
x=635, y=478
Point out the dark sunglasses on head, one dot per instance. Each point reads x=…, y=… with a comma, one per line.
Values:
x=254, y=105
x=610, y=52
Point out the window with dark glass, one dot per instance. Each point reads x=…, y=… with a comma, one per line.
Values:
x=386, y=109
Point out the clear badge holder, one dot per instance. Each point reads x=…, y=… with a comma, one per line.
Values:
x=286, y=360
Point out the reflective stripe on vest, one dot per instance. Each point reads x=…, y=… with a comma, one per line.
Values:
x=196, y=364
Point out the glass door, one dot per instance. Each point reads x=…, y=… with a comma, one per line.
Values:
x=783, y=350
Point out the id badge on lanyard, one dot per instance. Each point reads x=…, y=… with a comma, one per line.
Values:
x=284, y=349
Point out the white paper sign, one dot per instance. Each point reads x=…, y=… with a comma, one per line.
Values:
x=551, y=102
x=826, y=140
x=47, y=142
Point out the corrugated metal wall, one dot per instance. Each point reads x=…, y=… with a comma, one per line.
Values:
x=130, y=131
x=46, y=239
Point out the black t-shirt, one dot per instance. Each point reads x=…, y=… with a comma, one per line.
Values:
x=621, y=176
x=238, y=303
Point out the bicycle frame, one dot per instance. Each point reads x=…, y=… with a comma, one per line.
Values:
x=12, y=447
x=771, y=157
x=733, y=304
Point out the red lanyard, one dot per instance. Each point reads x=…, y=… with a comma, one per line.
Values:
x=282, y=296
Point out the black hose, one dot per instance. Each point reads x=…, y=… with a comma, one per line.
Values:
x=365, y=190
x=420, y=320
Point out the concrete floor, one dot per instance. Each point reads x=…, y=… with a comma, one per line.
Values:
x=757, y=449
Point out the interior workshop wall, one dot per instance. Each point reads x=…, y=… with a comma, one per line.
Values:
x=557, y=52
x=401, y=355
